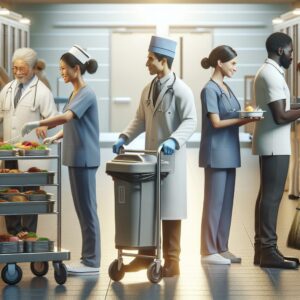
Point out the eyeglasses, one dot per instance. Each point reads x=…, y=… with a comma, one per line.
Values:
x=21, y=70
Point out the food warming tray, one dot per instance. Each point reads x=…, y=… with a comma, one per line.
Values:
x=30, y=197
x=4, y=153
x=11, y=247
x=30, y=207
x=33, y=152
x=36, y=178
x=38, y=246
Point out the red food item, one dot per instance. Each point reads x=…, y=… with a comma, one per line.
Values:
x=14, y=239
x=4, y=237
x=34, y=170
x=30, y=144
x=13, y=191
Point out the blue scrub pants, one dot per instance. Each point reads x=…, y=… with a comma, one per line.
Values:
x=83, y=187
x=217, y=210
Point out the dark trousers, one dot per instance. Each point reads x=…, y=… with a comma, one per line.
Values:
x=273, y=173
x=15, y=224
x=171, y=231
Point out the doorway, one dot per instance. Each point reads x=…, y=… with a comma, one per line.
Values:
x=129, y=74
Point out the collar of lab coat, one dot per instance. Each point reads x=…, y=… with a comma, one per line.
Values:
x=31, y=85
x=167, y=80
x=164, y=79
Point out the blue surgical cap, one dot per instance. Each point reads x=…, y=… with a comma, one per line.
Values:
x=162, y=46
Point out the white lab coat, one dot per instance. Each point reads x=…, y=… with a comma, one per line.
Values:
x=36, y=103
x=172, y=117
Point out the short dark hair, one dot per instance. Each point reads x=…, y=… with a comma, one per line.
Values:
x=90, y=66
x=168, y=58
x=277, y=40
x=223, y=53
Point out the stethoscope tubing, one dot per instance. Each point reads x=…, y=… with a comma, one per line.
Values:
x=224, y=94
x=9, y=90
x=169, y=88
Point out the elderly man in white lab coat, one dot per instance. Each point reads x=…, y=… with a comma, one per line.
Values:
x=168, y=116
x=22, y=100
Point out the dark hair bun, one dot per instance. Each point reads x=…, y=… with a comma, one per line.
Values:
x=91, y=66
x=205, y=63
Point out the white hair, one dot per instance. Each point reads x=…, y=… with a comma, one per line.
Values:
x=28, y=55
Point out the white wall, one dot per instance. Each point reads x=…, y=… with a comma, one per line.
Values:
x=56, y=27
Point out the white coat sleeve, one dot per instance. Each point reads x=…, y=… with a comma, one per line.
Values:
x=137, y=125
x=2, y=99
x=185, y=107
x=46, y=102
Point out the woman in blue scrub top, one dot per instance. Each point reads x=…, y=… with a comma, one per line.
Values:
x=219, y=155
x=81, y=152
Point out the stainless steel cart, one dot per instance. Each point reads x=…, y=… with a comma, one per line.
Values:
x=12, y=273
x=143, y=239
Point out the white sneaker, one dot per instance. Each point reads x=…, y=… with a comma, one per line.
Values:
x=234, y=259
x=81, y=269
x=215, y=259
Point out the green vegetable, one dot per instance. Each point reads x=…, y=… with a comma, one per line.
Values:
x=31, y=234
x=43, y=239
x=40, y=147
x=6, y=147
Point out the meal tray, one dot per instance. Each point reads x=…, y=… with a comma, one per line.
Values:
x=4, y=153
x=38, y=246
x=11, y=247
x=33, y=152
x=38, y=197
x=30, y=197
x=30, y=207
x=36, y=178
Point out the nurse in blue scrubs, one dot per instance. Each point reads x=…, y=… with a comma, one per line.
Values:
x=81, y=152
x=219, y=155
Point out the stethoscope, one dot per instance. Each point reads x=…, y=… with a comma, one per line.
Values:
x=227, y=103
x=8, y=99
x=170, y=89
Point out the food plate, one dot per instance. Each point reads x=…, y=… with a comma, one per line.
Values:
x=34, y=152
x=251, y=114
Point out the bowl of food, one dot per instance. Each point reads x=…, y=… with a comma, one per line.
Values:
x=251, y=112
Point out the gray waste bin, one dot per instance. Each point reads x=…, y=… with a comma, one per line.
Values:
x=134, y=178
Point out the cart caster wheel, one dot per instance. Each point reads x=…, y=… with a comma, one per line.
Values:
x=114, y=273
x=60, y=273
x=39, y=268
x=152, y=273
x=11, y=274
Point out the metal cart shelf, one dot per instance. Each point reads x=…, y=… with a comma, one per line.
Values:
x=12, y=273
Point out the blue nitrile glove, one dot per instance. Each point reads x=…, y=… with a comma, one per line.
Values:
x=117, y=145
x=169, y=146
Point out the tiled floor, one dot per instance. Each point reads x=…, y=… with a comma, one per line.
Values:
x=243, y=281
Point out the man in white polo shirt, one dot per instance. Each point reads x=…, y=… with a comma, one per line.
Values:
x=271, y=141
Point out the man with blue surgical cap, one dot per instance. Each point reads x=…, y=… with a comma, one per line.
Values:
x=168, y=116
